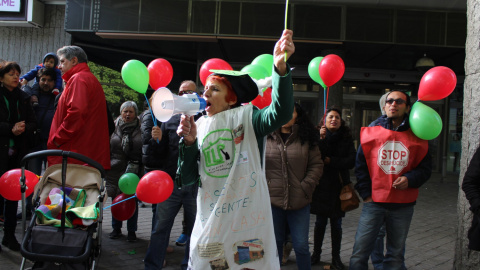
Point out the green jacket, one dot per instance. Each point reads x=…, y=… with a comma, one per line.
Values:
x=265, y=121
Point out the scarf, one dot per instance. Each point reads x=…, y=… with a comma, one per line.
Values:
x=126, y=131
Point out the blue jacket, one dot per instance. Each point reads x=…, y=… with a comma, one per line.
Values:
x=416, y=177
x=32, y=74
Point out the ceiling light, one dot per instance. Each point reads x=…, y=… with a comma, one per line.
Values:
x=423, y=64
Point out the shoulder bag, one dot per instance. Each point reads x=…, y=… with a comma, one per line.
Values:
x=348, y=197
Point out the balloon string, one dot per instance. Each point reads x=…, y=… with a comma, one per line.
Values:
x=153, y=116
x=324, y=100
x=134, y=196
x=326, y=103
x=286, y=15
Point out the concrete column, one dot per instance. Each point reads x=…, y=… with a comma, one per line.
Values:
x=464, y=258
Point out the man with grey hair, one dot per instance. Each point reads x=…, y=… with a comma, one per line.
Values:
x=80, y=123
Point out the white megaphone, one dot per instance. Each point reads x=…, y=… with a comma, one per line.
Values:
x=165, y=104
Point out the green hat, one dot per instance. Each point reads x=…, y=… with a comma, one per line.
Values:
x=243, y=85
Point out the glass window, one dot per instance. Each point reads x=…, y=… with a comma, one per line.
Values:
x=80, y=19
x=166, y=16
x=259, y=19
x=411, y=27
x=120, y=15
x=456, y=29
x=369, y=24
x=203, y=17
x=436, y=28
x=310, y=22
x=229, y=18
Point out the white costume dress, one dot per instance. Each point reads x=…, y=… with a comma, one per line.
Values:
x=233, y=228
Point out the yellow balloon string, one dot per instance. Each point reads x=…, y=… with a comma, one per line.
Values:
x=286, y=15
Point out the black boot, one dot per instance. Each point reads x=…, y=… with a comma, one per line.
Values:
x=336, y=245
x=9, y=240
x=318, y=234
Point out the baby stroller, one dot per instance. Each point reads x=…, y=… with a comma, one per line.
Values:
x=72, y=240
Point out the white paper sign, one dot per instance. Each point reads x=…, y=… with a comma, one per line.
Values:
x=10, y=5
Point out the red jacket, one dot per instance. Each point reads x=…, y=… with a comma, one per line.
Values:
x=80, y=123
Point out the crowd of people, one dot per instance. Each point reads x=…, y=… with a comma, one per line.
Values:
x=248, y=179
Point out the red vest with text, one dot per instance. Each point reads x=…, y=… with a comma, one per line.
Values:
x=389, y=155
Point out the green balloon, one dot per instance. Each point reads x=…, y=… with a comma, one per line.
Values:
x=313, y=70
x=266, y=61
x=425, y=121
x=128, y=183
x=135, y=75
x=255, y=71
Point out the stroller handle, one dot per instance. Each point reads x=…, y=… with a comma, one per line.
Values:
x=65, y=155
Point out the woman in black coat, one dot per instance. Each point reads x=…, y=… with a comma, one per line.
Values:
x=471, y=187
x=17, y=123
x=338, y=154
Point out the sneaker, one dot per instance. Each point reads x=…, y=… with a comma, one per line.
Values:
x=132, y=237
x=11, y=243
x=182, y=240
x=115, y=234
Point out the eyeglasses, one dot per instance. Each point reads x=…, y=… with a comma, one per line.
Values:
x=399, y=101
x=186, y=92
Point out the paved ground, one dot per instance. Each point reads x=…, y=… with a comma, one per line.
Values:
x=430, y=243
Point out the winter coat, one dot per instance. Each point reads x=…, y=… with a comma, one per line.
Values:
x=338, y=146
x=21, y=142
x=471, y=187
x=152, y=154
x=119, y=158
x=44, y=112
x=292, y=170
x=80, y=123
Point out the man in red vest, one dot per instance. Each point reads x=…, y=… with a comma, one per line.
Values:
x=392, y=163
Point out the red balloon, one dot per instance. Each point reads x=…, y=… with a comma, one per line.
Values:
x=331, y=69
x=160, y=72
x=213, y=63
x=154, y=187
x=10, y=184
x=123, y=210
x=437, y=83
x=262, y=102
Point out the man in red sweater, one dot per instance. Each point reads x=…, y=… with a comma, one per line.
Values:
x=80, y=123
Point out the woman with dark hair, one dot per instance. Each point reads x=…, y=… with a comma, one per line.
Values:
x=293, y=166
x=17, y=124
x=338, y=154
x=233, y=227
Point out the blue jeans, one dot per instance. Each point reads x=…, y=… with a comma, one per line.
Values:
x=298, y=221
x=397, y=222
x=131, y=222
x=164, y=218
x=377, y=256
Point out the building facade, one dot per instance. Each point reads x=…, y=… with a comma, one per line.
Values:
x=385, y=45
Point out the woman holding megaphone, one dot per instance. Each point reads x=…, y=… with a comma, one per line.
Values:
x=234, y=227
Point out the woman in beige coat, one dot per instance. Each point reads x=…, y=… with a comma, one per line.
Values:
x=293, y=167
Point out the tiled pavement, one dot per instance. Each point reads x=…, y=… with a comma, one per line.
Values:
x=430, y=243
